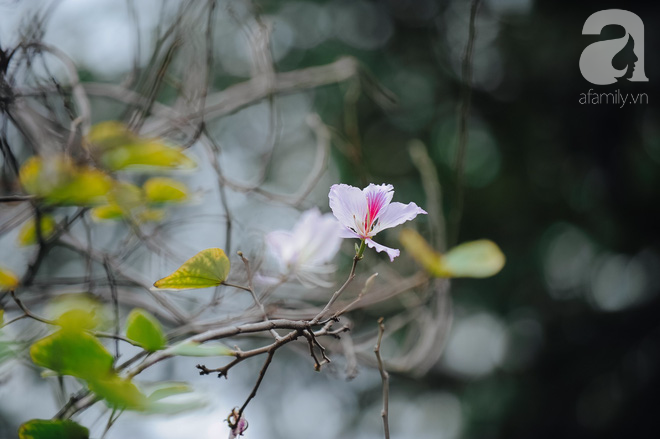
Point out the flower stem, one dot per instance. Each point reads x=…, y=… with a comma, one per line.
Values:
x=360, y=252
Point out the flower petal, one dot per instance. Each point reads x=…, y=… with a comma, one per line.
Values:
x=378, y=197
x=391, y=252
x=305, y=231
x=345, y=232
x=279, y=243
x=324, y=244
x=347, y=204
x=395, y=214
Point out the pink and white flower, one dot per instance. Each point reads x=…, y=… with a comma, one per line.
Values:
x=306, y=251
x=364, y=213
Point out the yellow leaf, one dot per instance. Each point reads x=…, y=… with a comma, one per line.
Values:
x=207, y=268
x=28, y=233
x=420, y=250
x=8, y=280
x=123, y=198
x=126, y=195
x=60, y=181
x=107, y=212
x=116, y=148
x=126, y=200
x=110, y=134
x=482, y=258
x=146, y=154
x=165, y=190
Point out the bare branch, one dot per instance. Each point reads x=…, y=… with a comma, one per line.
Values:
x=385, y=377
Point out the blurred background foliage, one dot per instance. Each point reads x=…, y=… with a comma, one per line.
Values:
x=563, y=343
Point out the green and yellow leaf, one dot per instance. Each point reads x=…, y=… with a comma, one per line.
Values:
x=75, y=353
x=28, y=233
x=58, y=180
x=108, y=135
x=161, y=190
x=127, y=201
x=107, y=212
x=116, y=147
x=8, y=280
x=207, y=268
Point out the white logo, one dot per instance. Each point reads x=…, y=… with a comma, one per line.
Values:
x=596, y=60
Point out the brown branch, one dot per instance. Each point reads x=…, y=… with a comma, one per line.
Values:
x=27, y=312
x=337, y=293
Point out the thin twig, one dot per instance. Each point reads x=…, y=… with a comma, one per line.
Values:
x=115, y=302
x=337, y=293
x=257, y=302
x=464, y=113
x=27, y=312
x=262, y=373
x=385, y=377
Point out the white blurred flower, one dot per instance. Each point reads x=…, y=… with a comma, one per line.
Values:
x=306, y=251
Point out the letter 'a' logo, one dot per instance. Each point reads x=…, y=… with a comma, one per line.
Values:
x=596, y=60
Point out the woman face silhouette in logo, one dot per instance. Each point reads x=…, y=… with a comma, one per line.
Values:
x=626, y=59
x=613, y=58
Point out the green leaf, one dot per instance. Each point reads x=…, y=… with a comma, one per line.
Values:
x=207, y=268
x=8, y=350
x=77, y=312
x=119, y=392
x=194, y=349
x=75, y=353
x=171, y=407
x=178, y=397
x=482, y=258
x=52, y=429
x=144, y=329
x=165, y=389
x=161, y=190
x=28, y=233
x=58, y=180
x=2, y=316
x=8, y=280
